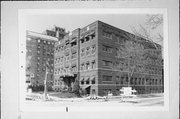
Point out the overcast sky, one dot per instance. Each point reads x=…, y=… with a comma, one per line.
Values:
x=39, y=23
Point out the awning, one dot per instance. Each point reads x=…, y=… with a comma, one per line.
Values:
x=87, y=78
x=73, y=39
x=86, y=86
x=93, y=78
x=81, y=79
x=92, y=32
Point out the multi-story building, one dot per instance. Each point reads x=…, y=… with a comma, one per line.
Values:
x=40, y=57
x=93, y=56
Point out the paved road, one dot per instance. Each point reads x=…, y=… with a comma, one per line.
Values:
x=156, y=100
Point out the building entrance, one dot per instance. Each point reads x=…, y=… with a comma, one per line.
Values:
x=88, y=89
x=69, y=82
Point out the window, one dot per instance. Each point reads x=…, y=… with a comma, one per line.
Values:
x=87, y=66
x=117, y=65
x=107, y=78
x=67, y=57
x=73, y=43
x=122, y=79
x=107, y=35
x=88, y=51
x=131, y=81
x=67, y=69
x=38, y=52
x=87, y=80
x=62, y=70
x=139, y=81
x=107, y=49
x=61, y=48
x=126, y=79
x=38, y=46
x=93, y=80
x=67, y=42
x=44, y=41
x=143, y=81
x=93, y=49
x=82, y=52
x=87, y=38
x=117, y=39
x=74, y=68
x=82, y=40
x=39, y=41
x=92, y=35
x=82, y=66
x=74, y=55
x=135, y=81
x=117, y=78
x=117, y=52
x=107, y=63
x=56, y=49
x=59, y=70
x=93, y=64
x=160, y=81
x=147, y=81
x=122, y=39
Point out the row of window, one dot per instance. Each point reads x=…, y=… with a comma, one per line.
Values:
x=67, y=43
x=87, y=80
x=123, y=66
x=133, y=81
x=107, y=49
x=44, y=69
x=88, y=65
x=107, y=63
x=44, y=59
x=39, y=71
x=74, y=42
x=44, y=53
x=88, y=50
x=57, y=82
x=65, y=70
x=45, y=42
x=139, y=90
x=44, y=64
x=107, y=34
x=118, y=38
x=88, y=38
x=44, y=47
x=67, y=57
x=119, y=54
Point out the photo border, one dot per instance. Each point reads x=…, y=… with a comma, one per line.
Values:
x=42, y=106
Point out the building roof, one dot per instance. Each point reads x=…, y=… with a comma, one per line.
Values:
x=42, y=36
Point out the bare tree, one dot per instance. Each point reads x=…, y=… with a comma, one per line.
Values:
x=135, y=54
x=132, y=54
x=153, y=22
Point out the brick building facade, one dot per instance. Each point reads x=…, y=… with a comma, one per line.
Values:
x=91, y=56
x=39, y=56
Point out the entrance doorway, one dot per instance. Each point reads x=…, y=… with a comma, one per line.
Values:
x=88, y=89
x=69, y=82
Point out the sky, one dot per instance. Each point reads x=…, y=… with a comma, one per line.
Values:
x=39, y=23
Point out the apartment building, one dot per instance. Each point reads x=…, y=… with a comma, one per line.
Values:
x=40, y=57
x=93, y=55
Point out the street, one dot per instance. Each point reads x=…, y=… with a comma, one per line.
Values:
x=140, y=100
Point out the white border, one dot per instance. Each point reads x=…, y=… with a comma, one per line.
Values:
x=23, y=13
